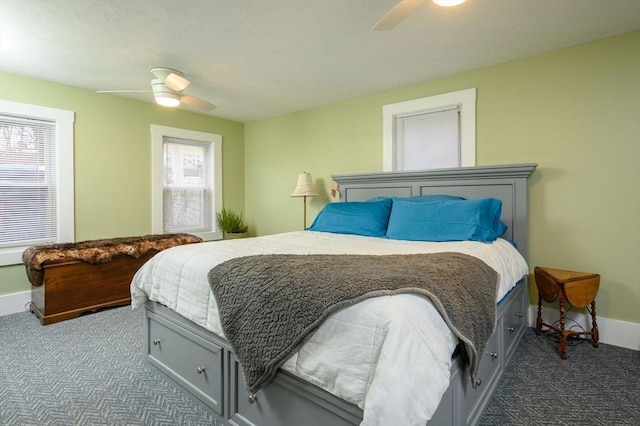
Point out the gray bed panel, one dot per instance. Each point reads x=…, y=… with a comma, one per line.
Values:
x=507, y=183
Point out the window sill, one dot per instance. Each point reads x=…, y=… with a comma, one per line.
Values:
x=11, y=256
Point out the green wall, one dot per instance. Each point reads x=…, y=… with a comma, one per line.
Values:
x=575, y=112
x=112, y=149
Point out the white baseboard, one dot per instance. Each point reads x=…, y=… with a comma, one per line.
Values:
x=612, y=332
x=13, y=303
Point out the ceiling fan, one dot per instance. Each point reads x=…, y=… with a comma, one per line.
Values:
x=405, y=8
x=167, y=86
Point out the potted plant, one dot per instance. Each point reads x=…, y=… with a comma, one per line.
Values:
x=231, y=224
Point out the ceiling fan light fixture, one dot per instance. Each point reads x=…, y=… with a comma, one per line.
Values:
x=167, y=99
x=163, y=95
x=448, y=3
x=167, y=90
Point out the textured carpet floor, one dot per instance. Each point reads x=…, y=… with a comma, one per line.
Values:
x=591, y=387
x=86, y=371
x=91, y=371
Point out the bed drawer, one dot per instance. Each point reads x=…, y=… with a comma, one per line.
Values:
x=513, y=323
x=193, y=362
x=487, y=376
x=273, y=405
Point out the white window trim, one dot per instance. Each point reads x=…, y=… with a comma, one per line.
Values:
x=157, y=134
x=465, y=99
x=65, y=191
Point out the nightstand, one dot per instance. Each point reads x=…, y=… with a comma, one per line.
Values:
x=577, y=288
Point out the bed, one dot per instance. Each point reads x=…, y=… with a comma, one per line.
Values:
x=361, y=366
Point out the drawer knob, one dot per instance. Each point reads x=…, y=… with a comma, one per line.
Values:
x=478, y=382
x=511, y=329
x=494, y=355
x=519, y=314
x=201, y=369
x=252, y=398
x=156, y=341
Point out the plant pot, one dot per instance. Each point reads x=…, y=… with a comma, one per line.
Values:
x=235, y=235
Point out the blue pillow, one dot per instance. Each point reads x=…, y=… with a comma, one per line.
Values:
x=429, y=198
x=447, y=220
x=420, y=198
x=374, y=199
x=360, y=218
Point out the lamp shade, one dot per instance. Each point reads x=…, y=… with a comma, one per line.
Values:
x=304, y=187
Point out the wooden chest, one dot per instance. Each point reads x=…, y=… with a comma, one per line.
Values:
x=72, y=288
x=71, y=279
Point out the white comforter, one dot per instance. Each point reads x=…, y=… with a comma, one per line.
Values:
x=389, y=355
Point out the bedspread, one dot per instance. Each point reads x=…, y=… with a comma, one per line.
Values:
x=378, y=354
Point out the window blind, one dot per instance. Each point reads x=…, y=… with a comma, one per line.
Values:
x=28, y=182
x=186, y=189
x=428, y=140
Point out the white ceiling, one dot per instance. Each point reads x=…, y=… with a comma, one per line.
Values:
x=262, y=58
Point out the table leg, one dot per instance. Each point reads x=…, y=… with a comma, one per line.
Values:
x=595, y=336
x=539, y=319
x=563, y=335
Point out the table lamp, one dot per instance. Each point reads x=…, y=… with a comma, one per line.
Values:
x=304, y=188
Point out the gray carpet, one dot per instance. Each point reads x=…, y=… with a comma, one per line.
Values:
x=591, y=387
x=85, y=371
x=90, y=371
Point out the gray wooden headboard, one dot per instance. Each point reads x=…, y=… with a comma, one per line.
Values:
x=505, y=182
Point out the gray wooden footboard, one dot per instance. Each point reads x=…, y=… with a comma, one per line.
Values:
x=204, y=365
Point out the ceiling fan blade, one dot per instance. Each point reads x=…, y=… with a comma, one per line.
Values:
x=123, y=91
x=176, y=82
x=197, y=103
x=171, y=78
x=397, y=14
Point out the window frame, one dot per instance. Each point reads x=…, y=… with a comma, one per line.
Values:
x=464, y=99
x=65, y=202
x=158, y=133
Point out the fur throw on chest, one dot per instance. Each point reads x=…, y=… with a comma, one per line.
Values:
x=97, y=251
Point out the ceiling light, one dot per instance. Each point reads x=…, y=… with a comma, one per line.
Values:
x=448, y=3
x=167, y=99
x=163, y=95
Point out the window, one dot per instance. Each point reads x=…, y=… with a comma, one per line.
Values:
x=36, y=178
x=430, y=133
x=187, y=181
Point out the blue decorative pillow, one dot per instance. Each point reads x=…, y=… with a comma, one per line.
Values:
x=420, y=198
x=374, y=199
x=447, y=220
x=360, y=218
x=430, y=198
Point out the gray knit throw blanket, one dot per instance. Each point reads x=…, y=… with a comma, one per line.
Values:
x=270, y=304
